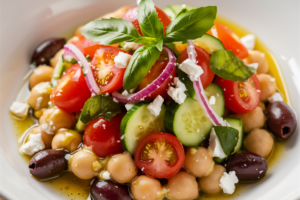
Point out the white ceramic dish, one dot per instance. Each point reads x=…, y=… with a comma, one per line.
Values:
x=24, y=24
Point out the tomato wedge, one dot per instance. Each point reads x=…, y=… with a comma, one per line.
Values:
x=230, y=40
x=108, y=77
x=159, y=155
x=240, y=97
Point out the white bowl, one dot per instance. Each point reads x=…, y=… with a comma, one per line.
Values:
x=24, y=24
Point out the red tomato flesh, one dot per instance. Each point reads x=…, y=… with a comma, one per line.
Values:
x=240, y=97
x=104, y=136
x=159, y=155
x=71, y=92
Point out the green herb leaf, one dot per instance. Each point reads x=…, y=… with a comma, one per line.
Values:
x=226, y=65
x=140, y=64
x=99, y=106
x=183, y=10
x=191, y=25
x=228, y=137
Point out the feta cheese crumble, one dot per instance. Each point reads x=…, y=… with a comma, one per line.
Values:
x=122, y=60
x=19, y=110
x=34, y=144
x=189, y=67
x=177, y=94
x=253, y=65
x=275, y=97
x=128, y=106
x=131, y=46
x=125, y=93
x=212, y=100
x=105, y=175
x=228, y=181
x=248, y=41
x=215, y=146
x=155, y=107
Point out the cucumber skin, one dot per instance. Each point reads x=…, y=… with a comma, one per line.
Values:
x=169, y=116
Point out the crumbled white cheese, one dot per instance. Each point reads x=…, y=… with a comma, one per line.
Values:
x=125, y=93
x=177, y=94
x=34, y=144
x=43, y=88
x=178, y=84
x=128, y=106
x=115, y=100
x=105, y=175
x=212, y=100
x=275, y=97
x=155, y=106
x=19, y=110
x=131, y=46
x=189, y=67
x=253, y=65
x=248, y=41
x=122, y=60
x=215, y=146
x=228, y=181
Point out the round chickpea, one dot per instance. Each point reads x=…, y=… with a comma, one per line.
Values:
x=255, y=56
x=211, y=183
x=66, y=139
x=267, y=86
x=42, y=73
x=146, y=188
x=40, y=96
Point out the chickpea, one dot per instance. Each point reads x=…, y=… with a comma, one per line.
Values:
x=211, y=183
x=66, y=139
x=262, y=105
x=257, y=57
x=146, y=188
x=267, y=86
x=122, y=168
x=259, y=141
x=40, y=95
x=199, y=161
x=182, y=186
x=42, y=73
x=81, y=164
x=47, y=138
x=251, y=120
x=56, y=57
x=53, y=119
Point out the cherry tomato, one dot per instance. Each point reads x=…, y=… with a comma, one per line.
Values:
x=108, y=77
x=230, y=40
x=159, y=155
x=240, y=97
x=71, y=92
x=203, y=60
x=104, y=136
x=132, y=16
x=155, y=71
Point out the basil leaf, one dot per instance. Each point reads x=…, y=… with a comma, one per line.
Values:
x=149, y=22
x=185, y=79
x=99, y=106
x=226, y=65
x=110, y=31
x=228, y=137
x=191, y=25
x=140, y=64
x=183, y=10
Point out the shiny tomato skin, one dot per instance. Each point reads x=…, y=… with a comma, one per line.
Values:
x=71, y=92
x=104, y=136
x=240, y=97
x=132, y=16
x=108, y=77
x=203, y=60
x=229, y=39
x=158, y=167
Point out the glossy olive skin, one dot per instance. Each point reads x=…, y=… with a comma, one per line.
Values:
x=247, y=166
x=48, y=163
x=46, y=50
x=108, y=190
x=281, y=119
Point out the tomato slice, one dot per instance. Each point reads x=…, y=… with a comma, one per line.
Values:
x=240, y=97
x=71, y=92
x=159, y=155
x=230, y=40
x=108, y=77
x=203, y=60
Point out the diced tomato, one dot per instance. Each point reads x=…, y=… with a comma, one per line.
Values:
x=230, y=40
x=240, y=97
x=108, y=77
x=159, y=155
x=71, y=92
x=203, y=60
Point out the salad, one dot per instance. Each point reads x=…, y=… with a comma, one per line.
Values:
x=151, y=103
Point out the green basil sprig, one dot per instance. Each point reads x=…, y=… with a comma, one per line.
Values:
x=228, y=137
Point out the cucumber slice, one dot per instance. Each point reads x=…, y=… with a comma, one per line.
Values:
x=169, y=12
x=80, y=126
x=137, y=123
x=187, y=120
x=177, y=8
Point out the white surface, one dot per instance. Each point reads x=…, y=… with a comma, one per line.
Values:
x=228, y=181
x=26, y=23
x=215, y=147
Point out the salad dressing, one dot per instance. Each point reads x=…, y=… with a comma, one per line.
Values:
x=71, y=187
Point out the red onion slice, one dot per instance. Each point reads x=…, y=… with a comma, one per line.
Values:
x=200, y=93
x=72, y=50
x=147, y=91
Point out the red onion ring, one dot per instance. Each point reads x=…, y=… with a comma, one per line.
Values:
x=147, y=91
x=72, y=50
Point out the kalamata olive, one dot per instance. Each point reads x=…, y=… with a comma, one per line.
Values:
x=281, y=119
x=247, y=166
x=108, y=190
x=48, y=163
x=46, y=50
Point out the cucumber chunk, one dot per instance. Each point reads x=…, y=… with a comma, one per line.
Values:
x=169, y=12
x=173, y=10
x=139, y=122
